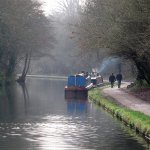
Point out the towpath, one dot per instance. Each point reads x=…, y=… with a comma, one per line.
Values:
x=126, y=99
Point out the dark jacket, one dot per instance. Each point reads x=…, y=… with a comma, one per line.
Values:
x=119, y=77
x=112, y=78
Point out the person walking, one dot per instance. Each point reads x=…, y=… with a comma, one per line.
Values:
x=112, y=80
x=119, y=79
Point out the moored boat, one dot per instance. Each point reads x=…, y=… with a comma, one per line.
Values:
x=77, y=87
x=96, y=79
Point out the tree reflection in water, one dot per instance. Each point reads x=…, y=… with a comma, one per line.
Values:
x=11, y=104
x=7, y=102
x=25, y=96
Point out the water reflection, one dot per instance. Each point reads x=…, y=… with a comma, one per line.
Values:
x=76, y=106
x=36, y=116
x=7, y=103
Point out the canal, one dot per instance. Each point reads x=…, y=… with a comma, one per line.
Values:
x=37, y=117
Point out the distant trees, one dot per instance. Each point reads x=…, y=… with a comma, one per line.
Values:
x=70, y=13
x=120, y=27
x=66, y=49
x=24, y=33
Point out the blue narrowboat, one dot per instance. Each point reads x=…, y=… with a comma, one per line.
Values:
x=77, y=87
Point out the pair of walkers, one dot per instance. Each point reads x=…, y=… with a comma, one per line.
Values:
x=112, y=79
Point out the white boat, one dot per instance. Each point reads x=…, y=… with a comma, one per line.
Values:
x=96, y=79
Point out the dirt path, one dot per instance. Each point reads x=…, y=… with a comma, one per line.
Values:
x=127, y=99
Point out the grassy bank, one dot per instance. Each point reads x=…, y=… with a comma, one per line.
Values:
x=136, y=120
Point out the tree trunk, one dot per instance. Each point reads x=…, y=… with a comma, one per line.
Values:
x=22, y=78
x=143, y=73
x=10, y=69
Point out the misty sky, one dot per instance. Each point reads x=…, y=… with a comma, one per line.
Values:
x=50, y=5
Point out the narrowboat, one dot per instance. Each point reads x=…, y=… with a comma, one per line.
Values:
x=77, y=87
x=96, y=79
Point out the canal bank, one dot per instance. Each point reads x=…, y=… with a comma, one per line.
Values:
x=136, y=120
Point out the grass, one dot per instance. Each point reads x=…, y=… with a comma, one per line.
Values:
x=136, y=120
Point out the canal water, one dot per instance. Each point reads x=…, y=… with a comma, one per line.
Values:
x=37, y=117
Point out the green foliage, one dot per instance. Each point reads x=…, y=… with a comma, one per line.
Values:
x=137, y=120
